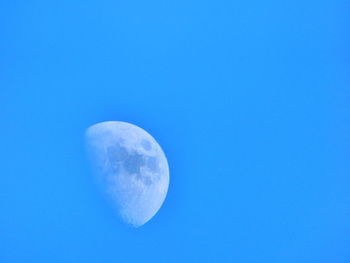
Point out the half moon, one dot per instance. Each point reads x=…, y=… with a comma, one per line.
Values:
x=131, y=168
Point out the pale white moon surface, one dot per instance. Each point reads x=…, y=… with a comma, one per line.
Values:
x=131, y=167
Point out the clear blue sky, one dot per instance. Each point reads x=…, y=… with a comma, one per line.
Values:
x=248, y=99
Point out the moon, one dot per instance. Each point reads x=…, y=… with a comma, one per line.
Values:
x=131, y=168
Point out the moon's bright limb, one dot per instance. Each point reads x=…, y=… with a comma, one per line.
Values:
x=132, y=168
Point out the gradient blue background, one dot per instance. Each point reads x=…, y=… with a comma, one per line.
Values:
x=249, y=100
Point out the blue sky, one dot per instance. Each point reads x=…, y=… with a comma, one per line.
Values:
x=248, y=99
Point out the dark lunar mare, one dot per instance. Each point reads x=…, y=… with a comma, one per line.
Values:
x=132, y=162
